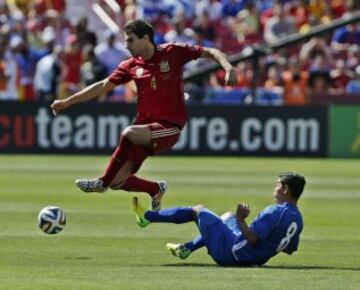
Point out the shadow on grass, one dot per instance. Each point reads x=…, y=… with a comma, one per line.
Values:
x=196, y=265
x=299, y=267
x=284, y=267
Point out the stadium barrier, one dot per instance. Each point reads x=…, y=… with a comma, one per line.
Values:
x=94, y=128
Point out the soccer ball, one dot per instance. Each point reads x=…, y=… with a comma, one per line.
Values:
x=51, y=220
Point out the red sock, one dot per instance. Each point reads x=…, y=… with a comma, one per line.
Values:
x=137, y=184
x=116, y=161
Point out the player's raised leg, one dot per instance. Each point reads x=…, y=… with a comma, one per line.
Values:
x=148, y=140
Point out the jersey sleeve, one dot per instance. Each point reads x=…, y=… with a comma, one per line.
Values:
x=121, y=74
x=293, y=245
x=186, y=53
x=265, y=223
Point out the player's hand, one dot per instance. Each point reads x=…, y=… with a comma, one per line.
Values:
x=242, y=211
x=57, y=106
x=230, y=77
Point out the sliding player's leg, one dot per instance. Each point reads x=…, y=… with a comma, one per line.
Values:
x=177, y=215
x=217, y=236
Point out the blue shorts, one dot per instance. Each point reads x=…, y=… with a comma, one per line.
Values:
x=218, y=237
x=232, y=224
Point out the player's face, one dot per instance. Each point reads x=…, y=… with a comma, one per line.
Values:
x=134, y=44
x=278, y=191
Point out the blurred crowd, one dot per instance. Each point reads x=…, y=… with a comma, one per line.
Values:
x=44, y=55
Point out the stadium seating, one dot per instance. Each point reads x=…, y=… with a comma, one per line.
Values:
x=225, y=96
x=267, y=97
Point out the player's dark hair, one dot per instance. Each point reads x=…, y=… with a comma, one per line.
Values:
x=140, y=28
x=295, y=182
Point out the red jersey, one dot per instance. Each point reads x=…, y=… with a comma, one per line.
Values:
x=159, y=82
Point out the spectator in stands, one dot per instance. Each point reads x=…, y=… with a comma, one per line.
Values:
x=42, y=5
x=199, y=37
x=148, y=9
x=111, y=52
x=273, y=80
x=84, y=35
x=338, y=7
x=340, y=77
x=319, y=9
x=300, y=12
x=5, y=16
x=319, y=79
x=204, y=24
x=47, y=40
x=23, y=5
x=295, y=83
x=244, y=75
x=130, y=11
x=26, y=59
x=92, y=70
x=344, y=37
x=8, y=73
x=321, y=64
x=232, y=7
x=60, y=24
x=246, y=23
x=72, y=64
x=172, y=8
x=353, y=87
x=319, y=83
x=212, y=8
x=311, y=22
x=179, y=32
x=311, y=49
x=353, y=57
x=279, y=26
x=48, y=75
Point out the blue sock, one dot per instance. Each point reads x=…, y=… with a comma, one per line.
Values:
x=195, y=244
x=176, y=215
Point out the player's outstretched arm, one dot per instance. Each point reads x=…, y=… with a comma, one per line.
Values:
x=242, y=212
x=220, y=58
x=95, y=90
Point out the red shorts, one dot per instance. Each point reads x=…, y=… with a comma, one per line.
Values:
x=163, y=137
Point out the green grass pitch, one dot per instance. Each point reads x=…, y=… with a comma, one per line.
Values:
x=101, y=247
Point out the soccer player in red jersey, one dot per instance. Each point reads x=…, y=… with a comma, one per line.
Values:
x=161, y=114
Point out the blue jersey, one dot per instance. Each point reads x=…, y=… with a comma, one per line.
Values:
x=278, y=227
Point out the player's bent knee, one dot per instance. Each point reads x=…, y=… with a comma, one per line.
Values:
x=128, y=132
x=226, y=215
x=198, y=208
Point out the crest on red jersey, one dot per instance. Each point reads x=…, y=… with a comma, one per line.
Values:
x=164, y=66
x=139, y=72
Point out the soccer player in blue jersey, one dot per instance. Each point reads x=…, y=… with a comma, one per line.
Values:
x=230, y=241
